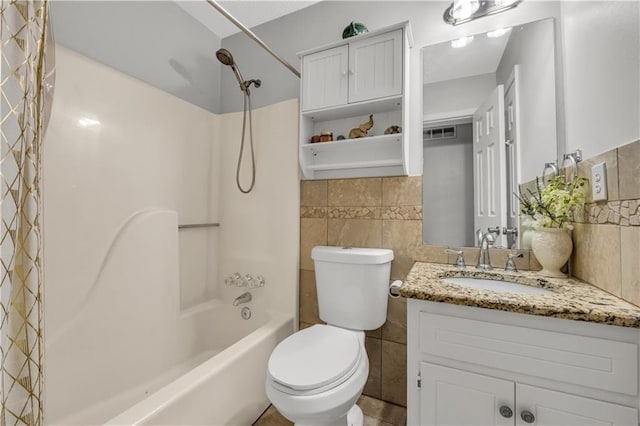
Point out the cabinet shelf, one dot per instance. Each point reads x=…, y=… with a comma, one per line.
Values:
x=375, y=106
x=359, y=143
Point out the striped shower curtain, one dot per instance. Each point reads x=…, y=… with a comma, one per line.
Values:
x=25, y=90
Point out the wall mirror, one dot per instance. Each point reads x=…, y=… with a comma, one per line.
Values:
x=489, y=123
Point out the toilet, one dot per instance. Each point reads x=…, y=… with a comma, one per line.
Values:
x=315, y=376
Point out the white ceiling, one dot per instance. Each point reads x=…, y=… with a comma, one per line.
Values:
x=248, y=12
x=443, y=62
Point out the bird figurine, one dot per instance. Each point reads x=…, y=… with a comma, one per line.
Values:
x=361, y=131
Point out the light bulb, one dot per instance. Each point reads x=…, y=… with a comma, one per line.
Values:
x=462, y=9
x=498, y=33
x=461, y=42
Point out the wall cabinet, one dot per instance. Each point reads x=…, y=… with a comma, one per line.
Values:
x=341, y=86
x=475, y=366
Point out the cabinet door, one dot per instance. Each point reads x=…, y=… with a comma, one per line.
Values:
x=375, y=67
x=550, y=408
x=455, y=397
x=324, y=78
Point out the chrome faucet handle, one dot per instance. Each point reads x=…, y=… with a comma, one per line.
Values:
x=460, y=259
x=511, y=263
x=495, y=230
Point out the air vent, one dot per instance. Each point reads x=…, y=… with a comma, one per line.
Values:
x=432, y=133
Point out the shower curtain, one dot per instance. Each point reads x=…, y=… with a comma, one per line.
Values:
x=25, y=94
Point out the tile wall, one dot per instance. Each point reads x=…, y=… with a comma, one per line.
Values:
x=372, y=212
x=387, y=212
x=606, y=236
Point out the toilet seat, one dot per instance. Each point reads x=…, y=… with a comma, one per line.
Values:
x=314, y=360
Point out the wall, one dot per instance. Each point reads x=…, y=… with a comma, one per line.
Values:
x=118, y=153
x=372, y=212
x=532, y=49
x=260, y=230
x=601, y=43
x=450, y=222
x=459, y=97
x=155, y=41
x=606, y=234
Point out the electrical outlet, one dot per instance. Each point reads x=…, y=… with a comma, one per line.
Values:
x=599, y=182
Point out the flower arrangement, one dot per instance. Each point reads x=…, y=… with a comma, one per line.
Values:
x=554, y=203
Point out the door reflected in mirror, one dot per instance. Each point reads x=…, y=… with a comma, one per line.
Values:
x=489, y=123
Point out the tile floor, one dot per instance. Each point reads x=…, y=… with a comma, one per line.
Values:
x=376, y=413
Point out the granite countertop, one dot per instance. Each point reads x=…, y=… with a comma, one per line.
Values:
x=572, y=299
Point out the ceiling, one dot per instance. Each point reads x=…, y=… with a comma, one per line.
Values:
x=248, y=12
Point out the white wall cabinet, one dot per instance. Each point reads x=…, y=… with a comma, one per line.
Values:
x=341, y=85
x=471, y=366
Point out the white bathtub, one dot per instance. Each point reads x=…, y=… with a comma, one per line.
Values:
x=217, y=376
x=224, y=381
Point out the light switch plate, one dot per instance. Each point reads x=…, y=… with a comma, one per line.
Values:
x=599, y=182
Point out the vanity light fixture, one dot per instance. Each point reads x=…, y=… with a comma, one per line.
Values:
x=461, y=11
x=498, y=33
x=461, y=42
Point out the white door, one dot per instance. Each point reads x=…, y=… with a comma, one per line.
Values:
x=455, y=397
x=550, y=408
x=489, y=165
x=324, y=78
x=375, y=67
x=512, y=139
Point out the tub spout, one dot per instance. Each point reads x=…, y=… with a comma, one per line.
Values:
x=243, y=298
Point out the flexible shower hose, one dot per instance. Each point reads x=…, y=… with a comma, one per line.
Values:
x=247, y=106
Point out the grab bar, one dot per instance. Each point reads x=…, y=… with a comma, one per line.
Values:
x=198, y=225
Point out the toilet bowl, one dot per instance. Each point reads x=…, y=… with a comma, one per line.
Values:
x=315, y=376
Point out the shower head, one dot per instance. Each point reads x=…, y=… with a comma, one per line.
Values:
x=225, y=57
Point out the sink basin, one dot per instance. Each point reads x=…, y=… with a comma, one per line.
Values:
x=498, y=286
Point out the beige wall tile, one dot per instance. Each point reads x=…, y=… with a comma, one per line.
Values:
x=387, y=413
x=596, y=256
x=629, y=171
x=313, y=232
x=630, y=263
x=433, y=254
x=611, y=158
x=308, y=298
x=313, y=193
x=373, y=387
x=355, y=232
x=402, y=191
x=304, y=325
x=394, y=372
x=395, y=328
x=355, y=192
x=404, y=237
x=377, y=333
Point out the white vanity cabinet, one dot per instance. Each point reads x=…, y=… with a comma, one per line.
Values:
x=342, y=84
x=474, y=366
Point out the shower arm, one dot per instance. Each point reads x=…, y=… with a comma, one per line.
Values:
x=252, y=36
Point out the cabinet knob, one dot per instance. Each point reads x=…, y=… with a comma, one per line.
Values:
x=506, y=412
x=527, y=416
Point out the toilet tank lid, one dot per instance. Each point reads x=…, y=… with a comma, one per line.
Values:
x=362, y=256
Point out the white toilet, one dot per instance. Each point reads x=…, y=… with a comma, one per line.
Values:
x=315, y=376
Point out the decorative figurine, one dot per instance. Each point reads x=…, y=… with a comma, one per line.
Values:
x=392, y=130
x=361, y=131
x=354, y=29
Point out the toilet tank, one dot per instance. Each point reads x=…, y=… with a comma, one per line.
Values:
x=352, y=285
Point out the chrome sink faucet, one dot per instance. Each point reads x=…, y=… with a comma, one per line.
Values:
x=243, y=298
x=484, y=262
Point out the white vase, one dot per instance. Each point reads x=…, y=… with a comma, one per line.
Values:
x=552, y=247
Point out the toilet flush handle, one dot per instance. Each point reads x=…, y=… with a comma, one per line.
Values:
x=394, y=289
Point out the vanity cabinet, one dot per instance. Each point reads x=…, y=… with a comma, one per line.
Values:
x=341, y=86
x=475, y=366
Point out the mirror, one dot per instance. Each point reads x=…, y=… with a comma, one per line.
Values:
x=489, y=111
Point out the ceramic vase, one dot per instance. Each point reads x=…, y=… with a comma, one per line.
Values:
x=552, y=247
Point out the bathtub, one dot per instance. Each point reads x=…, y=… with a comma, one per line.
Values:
x=216, y=379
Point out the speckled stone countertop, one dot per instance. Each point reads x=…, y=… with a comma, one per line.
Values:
x=572, y=298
